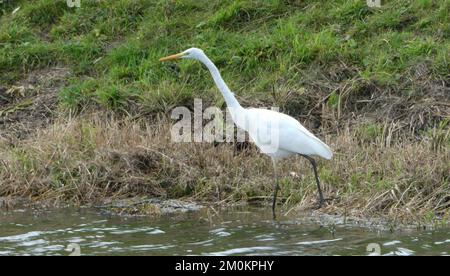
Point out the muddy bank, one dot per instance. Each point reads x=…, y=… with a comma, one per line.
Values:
x=151, y=207
x=147, y=207
x=32, y=103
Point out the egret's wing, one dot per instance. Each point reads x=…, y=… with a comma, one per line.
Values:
x=278, y=130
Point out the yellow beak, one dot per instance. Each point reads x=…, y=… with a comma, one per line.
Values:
x=176, y=56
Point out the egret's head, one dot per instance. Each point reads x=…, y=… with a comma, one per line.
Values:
x=191, y=53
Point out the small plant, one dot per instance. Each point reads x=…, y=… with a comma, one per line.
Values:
x=369, y=132
x=440, y=135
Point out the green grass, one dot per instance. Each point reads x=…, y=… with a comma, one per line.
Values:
x=262, y=42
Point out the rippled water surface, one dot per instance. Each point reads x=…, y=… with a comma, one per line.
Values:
x=232, y=232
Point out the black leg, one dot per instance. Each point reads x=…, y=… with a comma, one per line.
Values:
x=274, y=203
x=276, y=187
x=313, y=163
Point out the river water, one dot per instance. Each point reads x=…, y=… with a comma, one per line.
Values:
x=241, y=231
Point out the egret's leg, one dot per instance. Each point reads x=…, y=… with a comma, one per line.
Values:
x=276, y=187
x=314, y=165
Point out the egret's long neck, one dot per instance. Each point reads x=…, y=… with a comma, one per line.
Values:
x=227, y=94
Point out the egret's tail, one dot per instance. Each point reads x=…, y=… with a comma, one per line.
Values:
x=321, y=149
x=326, y=152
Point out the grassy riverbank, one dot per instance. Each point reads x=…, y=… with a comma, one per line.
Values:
x=84, y=101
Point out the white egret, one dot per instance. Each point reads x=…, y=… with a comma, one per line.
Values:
x=275, y=134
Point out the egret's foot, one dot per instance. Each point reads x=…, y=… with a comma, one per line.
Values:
x=318, y=205
x=322, y=203
x=274, y=213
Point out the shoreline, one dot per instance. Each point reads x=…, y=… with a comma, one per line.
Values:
x=153, y=208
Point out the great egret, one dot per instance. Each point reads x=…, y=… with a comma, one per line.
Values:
x=275, y=134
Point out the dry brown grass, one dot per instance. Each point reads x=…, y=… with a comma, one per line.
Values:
x=89, y=159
